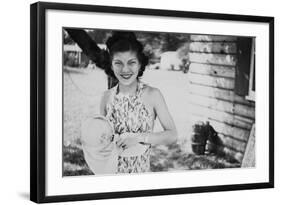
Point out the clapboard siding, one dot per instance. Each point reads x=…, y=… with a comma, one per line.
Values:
x=218, y=82
x=215, y=59
x=223, y=117
x=234, y=132
x=217, y=93
x=231, y=131
x=233, y=144
x=212, y=38
x=222, y=105
x=210, y=47
x=211, y=77
x=213, y=70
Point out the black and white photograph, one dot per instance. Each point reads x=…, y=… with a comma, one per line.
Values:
x=138, y=102
x=132, y=102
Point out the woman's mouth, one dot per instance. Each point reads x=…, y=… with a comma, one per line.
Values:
x=126, y=76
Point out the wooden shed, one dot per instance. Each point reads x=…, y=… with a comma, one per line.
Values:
x=221, y=88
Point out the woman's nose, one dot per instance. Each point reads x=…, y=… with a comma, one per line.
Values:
x=125, y=68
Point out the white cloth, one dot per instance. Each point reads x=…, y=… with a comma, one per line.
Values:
x=100, y=151
x=99, y=146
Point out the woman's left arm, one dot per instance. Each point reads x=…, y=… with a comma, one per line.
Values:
x=169, y=135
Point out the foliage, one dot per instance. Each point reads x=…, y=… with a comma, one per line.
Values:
x=99, y=35
x=157, y=43
x=154, y=43
x=66, y=38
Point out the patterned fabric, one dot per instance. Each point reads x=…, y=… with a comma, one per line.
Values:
x=127, y=113
x=134, y=164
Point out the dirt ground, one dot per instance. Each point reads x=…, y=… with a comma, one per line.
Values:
x=82, y=93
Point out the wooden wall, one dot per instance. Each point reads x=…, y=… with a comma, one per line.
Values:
x=211, y=88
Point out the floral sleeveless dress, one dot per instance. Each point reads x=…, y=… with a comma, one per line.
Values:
x=127, y=113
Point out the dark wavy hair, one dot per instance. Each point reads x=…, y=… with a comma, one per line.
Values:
x=122, y=42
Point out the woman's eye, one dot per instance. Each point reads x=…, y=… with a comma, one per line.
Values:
x=117, y=63
x=132, y=63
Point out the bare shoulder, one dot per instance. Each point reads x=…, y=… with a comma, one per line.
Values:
x=152, y=91
x=154, y=94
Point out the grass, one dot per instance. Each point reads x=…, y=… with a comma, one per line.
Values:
x=163, y=158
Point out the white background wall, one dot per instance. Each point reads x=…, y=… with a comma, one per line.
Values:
x=14, y=100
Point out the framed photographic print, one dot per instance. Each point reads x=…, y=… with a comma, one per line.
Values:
x=129, y=102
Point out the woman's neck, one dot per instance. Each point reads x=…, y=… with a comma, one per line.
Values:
x=128, y=89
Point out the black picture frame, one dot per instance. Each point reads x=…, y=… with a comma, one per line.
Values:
x=38, y=100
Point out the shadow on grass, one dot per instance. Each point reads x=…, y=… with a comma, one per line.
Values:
x=173, y=158
x=74, y=163
x=163, y=158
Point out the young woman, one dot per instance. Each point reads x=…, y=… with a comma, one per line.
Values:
x=132, y=106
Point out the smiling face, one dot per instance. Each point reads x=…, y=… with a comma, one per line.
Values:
x=126, y=66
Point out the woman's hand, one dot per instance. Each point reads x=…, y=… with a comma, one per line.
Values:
x=128, y=139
